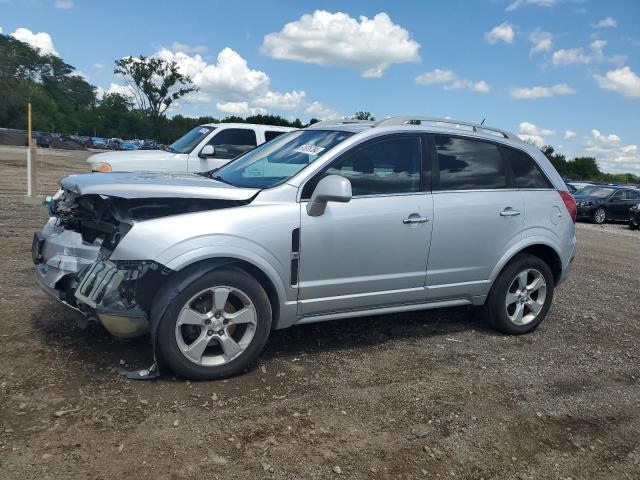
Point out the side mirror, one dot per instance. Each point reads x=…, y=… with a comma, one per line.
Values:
x=207, y=151
x=332, y=188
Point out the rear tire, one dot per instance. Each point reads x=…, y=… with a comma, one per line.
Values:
x=599, y=216
x=216, y=327
x=633, y=225
x=521, y=296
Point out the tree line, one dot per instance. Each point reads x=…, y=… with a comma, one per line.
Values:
x=65, y=102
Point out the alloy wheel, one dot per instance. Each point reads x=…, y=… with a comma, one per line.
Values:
x=216, y=325
x=525, y=297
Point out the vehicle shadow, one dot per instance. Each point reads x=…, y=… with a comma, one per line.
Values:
x=57, y=328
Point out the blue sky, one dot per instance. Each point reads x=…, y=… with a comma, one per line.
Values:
x=561, y=72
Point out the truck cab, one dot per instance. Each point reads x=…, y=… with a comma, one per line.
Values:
x=206, y=147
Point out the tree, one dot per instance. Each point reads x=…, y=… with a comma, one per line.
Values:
x=155, y=83
x=363, y=116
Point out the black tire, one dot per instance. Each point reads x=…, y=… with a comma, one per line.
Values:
x=166, y=336
x=633, y=225
x=494, y=308
x=596, y=218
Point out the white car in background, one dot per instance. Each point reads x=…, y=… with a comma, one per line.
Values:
x=204, y=148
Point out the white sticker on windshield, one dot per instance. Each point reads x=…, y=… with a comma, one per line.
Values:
x=309, y=149
x=204, y=130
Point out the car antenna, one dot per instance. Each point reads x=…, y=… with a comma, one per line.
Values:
x=482, y=122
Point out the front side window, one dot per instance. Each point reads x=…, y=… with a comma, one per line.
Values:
x=190, y=140
x=275, y=162
x=465, y=164
x=381, y=167
x=525, y=170
x=232, y=142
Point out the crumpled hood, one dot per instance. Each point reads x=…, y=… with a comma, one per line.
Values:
x=113, y=158
x=154, y=185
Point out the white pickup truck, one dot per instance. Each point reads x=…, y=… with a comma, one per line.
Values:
x=204, y=148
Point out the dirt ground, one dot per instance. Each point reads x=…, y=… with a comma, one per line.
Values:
x=431, y=394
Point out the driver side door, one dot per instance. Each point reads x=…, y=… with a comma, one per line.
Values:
x=228, y=144
x=371, y=251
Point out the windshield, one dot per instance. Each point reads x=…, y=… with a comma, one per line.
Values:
x=599, y=192
x=275, y=162
x=189, y=141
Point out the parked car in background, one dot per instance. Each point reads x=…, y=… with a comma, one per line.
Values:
x=578, y=185
x=599, y=203
x=204, y=148
x=634, y=217
x=341, y=219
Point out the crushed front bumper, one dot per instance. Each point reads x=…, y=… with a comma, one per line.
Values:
x=70, y=271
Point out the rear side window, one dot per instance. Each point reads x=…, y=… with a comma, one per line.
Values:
x=465, y=164
x=387, y=166
x=631, y=195
x=270, y=135
x=525, y=170
x=232, y=142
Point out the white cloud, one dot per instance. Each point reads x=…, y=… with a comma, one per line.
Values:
x=1, y=30
x=184, y=48
x=281, y=101
x=623, y=80
x=611, y=138
x=538, y=3
x=524, y=93
x=611, y=154
x=606, y=23
x=326, y=38
x=98, y=66
x=542, y=41
x=451, y=81
x=63, y=4
x=569, y=134
x=123, y=90
x=318, y=110
x=530, y=133
x=578, y=55
x=41, y=40
x=229, y=79
x=502, y=33
x=239, y=108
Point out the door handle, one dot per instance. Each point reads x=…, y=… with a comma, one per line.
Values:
x=509, y=212
x=411, y=220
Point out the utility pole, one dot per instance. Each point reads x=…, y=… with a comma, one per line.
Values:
x=31, y=197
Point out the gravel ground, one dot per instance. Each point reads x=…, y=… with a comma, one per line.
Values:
x=419, y=395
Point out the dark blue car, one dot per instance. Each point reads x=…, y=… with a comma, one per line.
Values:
x=600, y=203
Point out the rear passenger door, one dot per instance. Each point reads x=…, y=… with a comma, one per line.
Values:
x=478, y=215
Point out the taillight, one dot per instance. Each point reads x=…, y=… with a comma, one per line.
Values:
x=570, y=203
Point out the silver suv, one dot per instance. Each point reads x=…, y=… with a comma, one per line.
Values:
x=338, y=220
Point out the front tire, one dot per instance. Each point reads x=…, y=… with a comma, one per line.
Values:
x=599, y=216
x=216, y=327
x=633, y=225
x=521, y=296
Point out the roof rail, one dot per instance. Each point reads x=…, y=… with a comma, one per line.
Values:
x=446, y=123
x=343, y=121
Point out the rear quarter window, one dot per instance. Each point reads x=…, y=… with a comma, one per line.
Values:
x=465, y=164
x=526, y=171
x=270, y=135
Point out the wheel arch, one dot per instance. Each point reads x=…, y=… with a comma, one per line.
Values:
x=539, y=248
x=179, y=279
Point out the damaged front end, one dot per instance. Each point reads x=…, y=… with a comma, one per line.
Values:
x=72, y=256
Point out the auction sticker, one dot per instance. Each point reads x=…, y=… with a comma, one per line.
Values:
x=309, y=149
